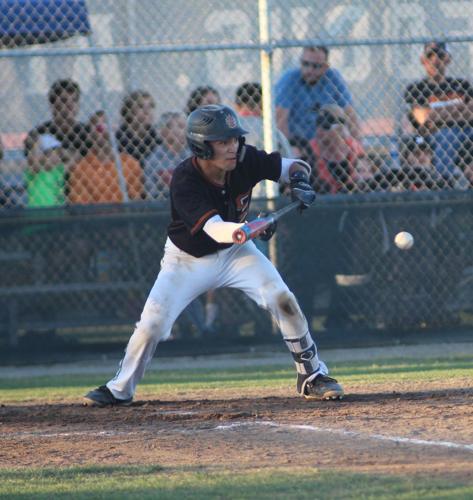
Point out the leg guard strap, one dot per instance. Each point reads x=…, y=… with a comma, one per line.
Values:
x=304, y=353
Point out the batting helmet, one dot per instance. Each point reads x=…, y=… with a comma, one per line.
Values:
x=214, y=122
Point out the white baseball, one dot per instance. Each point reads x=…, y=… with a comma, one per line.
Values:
x=404, y=240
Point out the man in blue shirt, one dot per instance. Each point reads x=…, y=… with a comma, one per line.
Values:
x=301, y=92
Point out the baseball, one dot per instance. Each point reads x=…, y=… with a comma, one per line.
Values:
x=404, y=240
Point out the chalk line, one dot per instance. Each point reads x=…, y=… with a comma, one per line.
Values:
x=344, y=432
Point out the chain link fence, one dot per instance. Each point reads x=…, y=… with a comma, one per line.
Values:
x=375, y=96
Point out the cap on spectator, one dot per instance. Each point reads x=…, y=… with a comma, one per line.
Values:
x=48, y=142
x=435, y=47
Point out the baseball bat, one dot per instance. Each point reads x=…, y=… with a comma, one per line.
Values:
x=252, y=229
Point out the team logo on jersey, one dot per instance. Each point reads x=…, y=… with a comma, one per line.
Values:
x=231, y=121
x=242, y=205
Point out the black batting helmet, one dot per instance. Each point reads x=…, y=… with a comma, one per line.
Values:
x=214, y=122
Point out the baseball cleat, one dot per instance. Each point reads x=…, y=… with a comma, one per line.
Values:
x=323, y=387
x=102, y=396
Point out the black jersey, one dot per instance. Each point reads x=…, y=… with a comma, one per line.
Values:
x=195, y=199
x=425, y=92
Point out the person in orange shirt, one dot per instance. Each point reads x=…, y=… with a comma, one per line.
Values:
x=94, y=179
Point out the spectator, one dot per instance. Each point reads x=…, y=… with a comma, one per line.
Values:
x=441, y=107
x=94, y=179
x=201, y=96
x=45, y=178
x=137, y=135
x=342, y=163
x=301, y=93
x=64, y=100
x=343, y=167
x=248, y=103
x=161, y=163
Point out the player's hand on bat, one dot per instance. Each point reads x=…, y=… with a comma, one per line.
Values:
x=301, y=190
x=267, y=234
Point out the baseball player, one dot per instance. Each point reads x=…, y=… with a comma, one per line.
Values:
x=210, y=198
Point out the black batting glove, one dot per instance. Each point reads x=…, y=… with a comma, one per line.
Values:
x=301, y=190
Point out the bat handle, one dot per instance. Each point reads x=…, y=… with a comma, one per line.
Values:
x=241, y=235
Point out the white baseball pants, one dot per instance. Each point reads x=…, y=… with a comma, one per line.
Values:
x=183, y=278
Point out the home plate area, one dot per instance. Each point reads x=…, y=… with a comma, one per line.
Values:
x=411, y=431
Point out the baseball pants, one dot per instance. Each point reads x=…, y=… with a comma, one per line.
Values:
x=183, y=277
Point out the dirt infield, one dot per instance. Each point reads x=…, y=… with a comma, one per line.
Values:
x=390, y=428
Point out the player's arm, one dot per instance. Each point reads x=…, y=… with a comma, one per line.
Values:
x=219, y=230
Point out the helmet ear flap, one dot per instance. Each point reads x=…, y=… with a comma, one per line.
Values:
x=201, y=149
x=207, y=151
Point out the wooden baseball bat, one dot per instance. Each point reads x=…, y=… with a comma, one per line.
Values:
x=254, y=228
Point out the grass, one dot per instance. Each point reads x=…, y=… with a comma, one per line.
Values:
x=135, y=481
x=70, y=387
x=274, y=483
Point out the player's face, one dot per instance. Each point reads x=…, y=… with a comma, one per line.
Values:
x=225, y=154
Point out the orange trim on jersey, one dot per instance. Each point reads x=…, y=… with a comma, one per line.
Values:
x=198, y=225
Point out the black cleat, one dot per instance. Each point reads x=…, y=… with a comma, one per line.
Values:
x=323, y=387
x=102, y=396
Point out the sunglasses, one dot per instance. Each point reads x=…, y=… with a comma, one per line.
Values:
x=441, y=54
x=309, y=64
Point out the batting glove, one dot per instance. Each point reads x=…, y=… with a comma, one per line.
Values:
x=301, y=190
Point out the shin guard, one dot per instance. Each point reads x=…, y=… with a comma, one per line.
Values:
x=304, y=353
